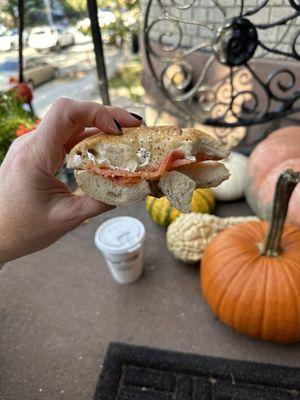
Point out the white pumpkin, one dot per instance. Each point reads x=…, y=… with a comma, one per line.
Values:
x=234, y=187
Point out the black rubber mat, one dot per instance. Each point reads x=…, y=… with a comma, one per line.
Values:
x=138, y=373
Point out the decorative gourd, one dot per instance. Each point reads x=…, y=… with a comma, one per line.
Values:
x=164, y=214
x=234, y=187
x=281, y=150
x=252, y=284
x=188, y=236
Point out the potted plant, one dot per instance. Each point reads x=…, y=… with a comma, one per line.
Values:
x=16, y=118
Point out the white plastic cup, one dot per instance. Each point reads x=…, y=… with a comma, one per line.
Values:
x=121, y=240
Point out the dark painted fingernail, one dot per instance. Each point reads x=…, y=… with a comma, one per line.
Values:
x=118, y=125
x=109, y=207
x=137, y=116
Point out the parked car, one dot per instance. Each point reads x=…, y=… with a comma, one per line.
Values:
x=15, y=35
x=3, y=29
x=7, y=41
x=46, y=38
x=10, y=40
x=36, y=72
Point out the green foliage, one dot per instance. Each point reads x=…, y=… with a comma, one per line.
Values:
x=9, y=7
x=127, y=82
x=127, y=14
x=78, y=6
x=117, y=4
x=31, y=8
x=12, y=115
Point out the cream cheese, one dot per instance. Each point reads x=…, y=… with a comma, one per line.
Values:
x=187, y=147
x=143, y=157
x=129, y=162
x=76, y=160
x=91, y=157
x=125, y=158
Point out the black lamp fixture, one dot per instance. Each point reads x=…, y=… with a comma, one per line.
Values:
x=98, y=48
x=21, y=29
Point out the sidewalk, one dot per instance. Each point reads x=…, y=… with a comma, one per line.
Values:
x=77, y=80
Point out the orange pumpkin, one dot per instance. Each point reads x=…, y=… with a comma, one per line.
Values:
x=252, y=284
x=281, y=150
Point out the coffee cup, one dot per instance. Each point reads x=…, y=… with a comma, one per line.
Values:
x=121, y=240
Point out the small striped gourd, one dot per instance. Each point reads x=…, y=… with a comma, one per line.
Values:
x=164, y=214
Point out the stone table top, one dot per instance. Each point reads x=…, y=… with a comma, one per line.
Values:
x=60, y=309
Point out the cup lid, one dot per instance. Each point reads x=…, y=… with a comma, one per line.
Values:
x=119, y=235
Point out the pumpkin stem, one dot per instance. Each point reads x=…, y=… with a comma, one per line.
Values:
x=284, y=189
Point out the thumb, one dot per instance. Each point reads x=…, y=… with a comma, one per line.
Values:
x=83, y=207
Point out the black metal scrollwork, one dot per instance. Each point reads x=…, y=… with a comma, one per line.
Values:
x=236, y=42
x=243, y=95
x=294, y=4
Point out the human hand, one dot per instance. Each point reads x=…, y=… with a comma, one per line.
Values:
x=36, y=209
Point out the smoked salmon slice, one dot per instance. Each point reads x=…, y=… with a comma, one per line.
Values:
x=173, y=160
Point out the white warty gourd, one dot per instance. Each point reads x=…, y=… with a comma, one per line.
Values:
x=189, y=234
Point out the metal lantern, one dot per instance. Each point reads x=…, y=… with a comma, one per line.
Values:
x=231, y=87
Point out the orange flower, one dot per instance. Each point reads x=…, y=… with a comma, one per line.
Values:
x=23, y=92
x=22, y=129
x=13, y=79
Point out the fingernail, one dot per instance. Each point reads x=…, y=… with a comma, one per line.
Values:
x=137, y=116
x=109, y=207
x=118, y=126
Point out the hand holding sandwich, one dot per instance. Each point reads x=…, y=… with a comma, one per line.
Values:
x=36, y=209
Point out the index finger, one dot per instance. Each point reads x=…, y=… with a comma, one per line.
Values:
x=67, y=117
